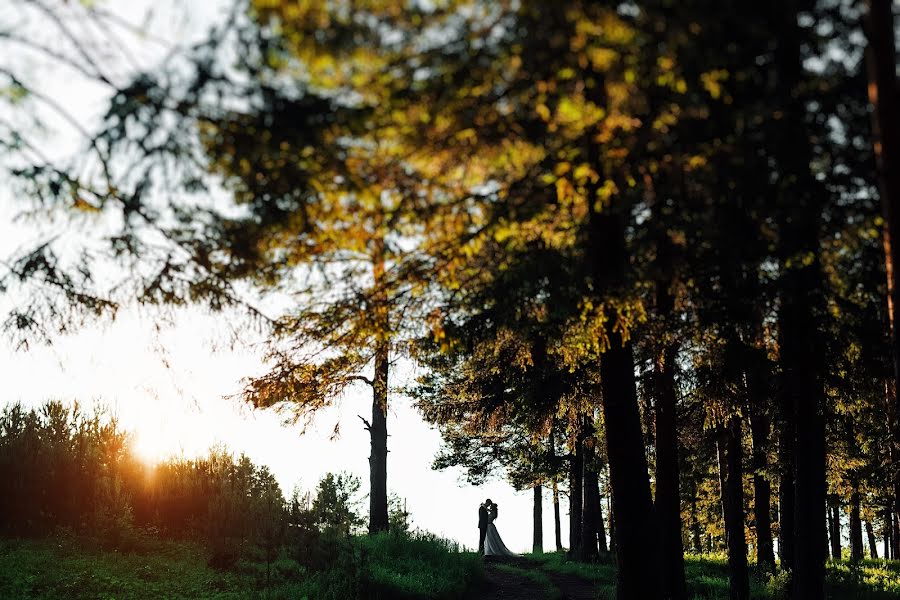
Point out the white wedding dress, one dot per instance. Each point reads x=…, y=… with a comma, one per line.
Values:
x=493, y=545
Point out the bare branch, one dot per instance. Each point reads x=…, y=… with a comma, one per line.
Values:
x=368, y=425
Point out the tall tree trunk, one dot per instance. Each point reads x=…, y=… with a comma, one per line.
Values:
x=870, y=534
x=888, y=533
x=612, y=525
x=884, y=95
x=637, y=544
x=733, y=509
x=893, y=412
x=557, y=525
x=576, y=495
x=856, y=541
x=601, y=526
x=893, y=418
x=378, y=511
x=834, y=527
x=895, y=536
x=762, y=489
x=785, y=484
x=800, y=209
x=378, y=504
x=668, y=495
x=637, y=553
x=537, y=545
x=800, y=364
x=695, y=523
x=590, y=507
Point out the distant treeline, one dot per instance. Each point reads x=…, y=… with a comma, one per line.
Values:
x=65, y=468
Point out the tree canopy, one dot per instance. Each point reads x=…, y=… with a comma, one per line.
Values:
x=643, y=247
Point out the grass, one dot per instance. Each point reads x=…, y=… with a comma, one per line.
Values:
x=869, y=580
x=419, y=565
x=556, y=562
x=39, y=569
x=541, y=579
x=707, y=578
x=404, y=567
x=416, y=567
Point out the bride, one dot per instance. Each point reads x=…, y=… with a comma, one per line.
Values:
x=493, y=545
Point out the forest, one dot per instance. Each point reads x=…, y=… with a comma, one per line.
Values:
x=642, y=254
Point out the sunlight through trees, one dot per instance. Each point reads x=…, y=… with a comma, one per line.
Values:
x=643, y=253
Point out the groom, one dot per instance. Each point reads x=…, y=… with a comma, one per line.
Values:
x=482, y=523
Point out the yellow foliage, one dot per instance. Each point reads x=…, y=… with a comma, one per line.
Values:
x=712, y=82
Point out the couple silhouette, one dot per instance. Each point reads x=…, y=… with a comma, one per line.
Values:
x=489, y=541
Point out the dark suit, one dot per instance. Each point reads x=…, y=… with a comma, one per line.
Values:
x=482, y=527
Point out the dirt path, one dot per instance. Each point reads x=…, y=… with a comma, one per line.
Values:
x=504, y=579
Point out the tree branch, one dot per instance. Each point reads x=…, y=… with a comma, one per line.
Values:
x=365, y=380
x=368, y=425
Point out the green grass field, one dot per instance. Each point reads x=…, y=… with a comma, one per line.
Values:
x=417, y=567
x=707, y=578
x=414, y=567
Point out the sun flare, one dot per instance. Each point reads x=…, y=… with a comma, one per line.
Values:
x=152, y=446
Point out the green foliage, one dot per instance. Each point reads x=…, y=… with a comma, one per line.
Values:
x=55, y=568
x=707, y=578
x=509, y=192
x=558, y=562
x=398, y=516
x=336, y=508
x=418, y=565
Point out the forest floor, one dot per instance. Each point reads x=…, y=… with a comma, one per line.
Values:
x=523, y=578
x=77, y=569
x=550, y=576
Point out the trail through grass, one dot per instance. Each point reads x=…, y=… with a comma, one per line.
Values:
x=415, y=567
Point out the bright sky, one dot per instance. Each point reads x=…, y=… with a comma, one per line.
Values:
x=174, y=389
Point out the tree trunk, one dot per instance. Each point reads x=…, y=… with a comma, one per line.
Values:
x=576, y=494
x=786, y=485
x=895, y=536
x=668, y=494
x=556, y=520
x=590, y=507
x=378, y=510
x=537, y=545
x=733, y=509
x=888, y=534
x=856, y=541
x=893, y=414
x=695, y=524
x=884, y=95
x=800, y=364
x=637, y=544
x=870, y=534
x=557, y=525
x=762, y=489
x=612, y=525
x=636, y=533
x=800, y=212
x=834, y=527
x=378, y=504
x=601, y=526
x=668, y=497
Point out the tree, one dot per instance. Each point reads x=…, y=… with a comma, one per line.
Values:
x=336, y=504
x=881, y=57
